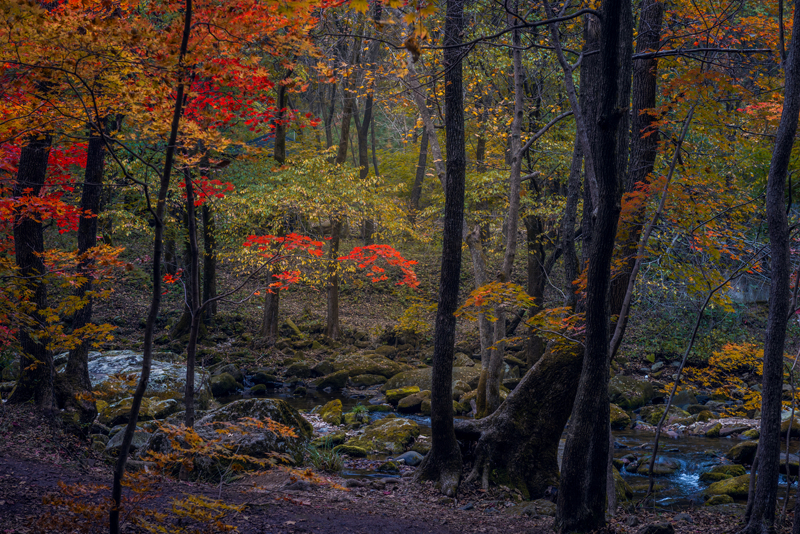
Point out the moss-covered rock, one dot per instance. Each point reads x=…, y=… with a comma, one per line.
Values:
x=462, y=360
x=742, y=453
x=713, y=432
x=379, y=408
x=351, y=450
x=362, y=364
x=753, y=433
x=722, y=472
x=393, y=435
x=264, y=377
x=389, y=467
x=261, y=409
x=663, y=466
x=719, y=499
x=619, y=418
x=335, y=380
x=300, y=370
x=393, y=396
x=630, y=393
x=621, y=488
x=736, y=487
x=331, y=413
x=652, y=414
x=413, y=402
x=795, y=427
x=705, y=415
x=330, y=440
x=224, y=384
x=422, y=378
x=258, y=389
x=367, y=380
x=140, y=440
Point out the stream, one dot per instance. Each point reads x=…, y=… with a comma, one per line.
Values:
x=695, y=455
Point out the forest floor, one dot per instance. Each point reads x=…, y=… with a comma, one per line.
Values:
x=34, y=458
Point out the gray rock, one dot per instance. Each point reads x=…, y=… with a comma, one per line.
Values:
x=140, y=440
x=656, y=366
x=224, y=384
x=411, y=458
x=630, y=393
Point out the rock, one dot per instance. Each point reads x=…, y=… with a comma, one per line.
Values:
x=462, y=360
x=388, y=467
x=753, y=433
x=330, y=440
x=719, y=499
x=619, y=418
x=331, y=413
x=411, y=458
x=460, y=388
x=544, y=507
x=265, y=378
x=258, y=389
x=140, y=440
x=274, y=409
x=151, y=408
x=394, y=396
x=662, y=527
x=622, y=489
x=742, y=453
x=422, y=378
x=695, y=409
x=351, y=450
x=629, y=393
x=367, y=380
x=379, y=408
x=664, y=466
x=704, y=416
x=232, y=370
x=731, y=430
x=300, y=370
x=322, y=369
x=722, y=472
x=656, y=366
x=335, y=380
x=167, y=376
x=713, y=432
x=795, y=425
x=467, y=507
x=422, y=447
x=736, y=487
x=224, y=384
x=793, y=464
x=387, y=351
x=652, y=414
x=299, y=485
x=361, y=364
x=393, y=435
x=413, y=402
x=682, y=399
x=11, y=371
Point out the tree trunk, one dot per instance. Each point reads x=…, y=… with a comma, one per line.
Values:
x=194, y=301
x=419, y=178
x=568, y=226
x=582, y=493
x=762, y=517
x=36, y=364
x=517, y=446
x=443, y=463
x=644, y=140
x=209, y=261
x=269, y=326
x=77, y=371
x=536, y=279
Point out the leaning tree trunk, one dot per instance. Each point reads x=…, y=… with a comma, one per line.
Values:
x=582, y=493
x=762, y=517
x=36, y=364
x=443, y=463
x=517, y=446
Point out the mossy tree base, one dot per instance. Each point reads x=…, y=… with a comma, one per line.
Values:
x=518, y=444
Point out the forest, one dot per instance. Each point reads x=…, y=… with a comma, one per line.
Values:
x=275, y=266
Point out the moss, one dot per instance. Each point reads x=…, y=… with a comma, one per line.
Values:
x=394, y=396
x=713, y=432
x=742, y=453
x=629, y=393
x=412, y=403
x=351, y=450
x=335, y=380
x=704, y=416
x=753, y=433
x=367, y=380
x=736, y=488
x=719, y=499
x=331, y=413
x=652, y=414
x=722, y=472
x=392, y=435
x=389, y=467
x=379, y=408
x=224, y=384
x=622, y=489
x=331, y=440
x=619, y=419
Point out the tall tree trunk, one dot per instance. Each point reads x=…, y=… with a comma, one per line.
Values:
x=77, y=371
x=644, y=140
x=582, y=492
x=762, y=517
x=209, y=261
x=568, y=226
x=36, y=363
x=195, y=310
x=443, y=463
x=419, y=177
x=155, y=300
x=536, y=278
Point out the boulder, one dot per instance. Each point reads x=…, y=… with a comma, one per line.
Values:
x=411, y=458
x=299, y=369
x=742, y=453
x=619, y=418
x=351, y=450
x=736, y=488
x=795, y=427
x=331, y=413
x=462, y=360
x=140, y=440
x=118, y=412
x=362, y=364
x=722, y=472
x=652, y=414
x=391, y=434
x=224, y=384
x=422, y=378
x=695, y=409
x=753, y=433
x=630, y=393
x=393, y=396
x=366, y=381
x=719, y=499
x=705, y=415
x=793, y=464
x=413, y=402
x=663, y=467
x=682, y=399
x=261, y=409
x=713, y=432
x=335, y=380
x=621, y=488
x=167, y=376
x=389, y=467
x=322, y=369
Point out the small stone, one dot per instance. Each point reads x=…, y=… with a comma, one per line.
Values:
x=468, y=506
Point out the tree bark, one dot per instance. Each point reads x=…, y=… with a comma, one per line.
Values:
x=194, y=302
x=582, y=492
x=419, y=178
x=209, y=261
x=517, y=446
x=443, y=463
x=762, y=518
x=36, y=373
